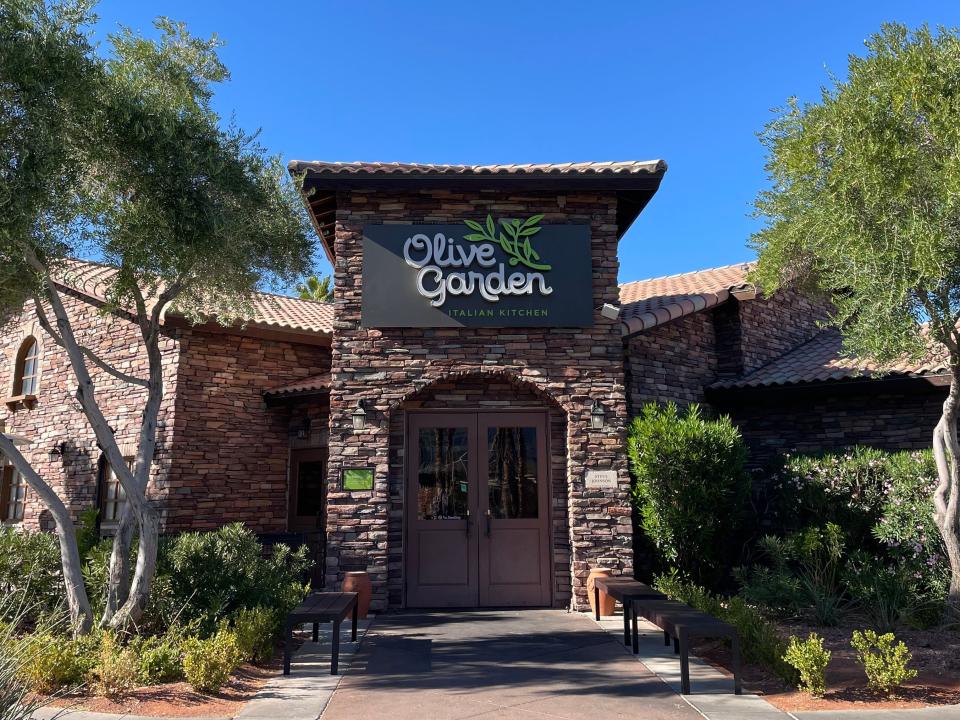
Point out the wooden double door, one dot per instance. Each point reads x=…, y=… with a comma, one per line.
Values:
x=477, y=510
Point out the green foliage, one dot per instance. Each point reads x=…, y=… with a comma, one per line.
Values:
x=211, y=575
x=88, y=534
x=256, y=629
x=810, y=659
x=50, y=662
x=30, y=568
x=897, y=572
x=158, y=658
x=864, y=195
x=207, y=664
x=16, y=700
x=759, y=641
x=884, y=662
x=314, y=288
x=115, y=668
x=691, y=488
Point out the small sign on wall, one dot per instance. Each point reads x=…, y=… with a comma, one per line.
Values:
x=600, y=480
x=357, y=479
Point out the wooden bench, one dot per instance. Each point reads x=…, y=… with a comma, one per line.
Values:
x=321, y=607
x=625, y=590
x=680, y=623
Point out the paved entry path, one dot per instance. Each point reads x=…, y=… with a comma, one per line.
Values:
x=487, y=664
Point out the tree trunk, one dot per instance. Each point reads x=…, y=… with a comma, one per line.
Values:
x=81, y=616
x=118, y=580
x=946, y=500
x=132, y=609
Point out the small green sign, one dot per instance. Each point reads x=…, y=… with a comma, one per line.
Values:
x=357, y=479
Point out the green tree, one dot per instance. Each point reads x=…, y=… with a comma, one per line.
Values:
x=121, y=158
x=314, y=288
x=864, y=207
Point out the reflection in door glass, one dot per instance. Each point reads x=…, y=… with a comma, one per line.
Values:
x=512, y=468
x=442, y=474
x=310, y=479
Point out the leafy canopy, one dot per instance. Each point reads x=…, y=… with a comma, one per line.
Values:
x=122, y=158
x=865, y=195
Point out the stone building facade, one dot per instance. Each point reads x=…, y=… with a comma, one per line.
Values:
x=459, y=461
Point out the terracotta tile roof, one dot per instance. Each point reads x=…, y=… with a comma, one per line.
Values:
x=275, y=312
x=821, y=360
x=304, y=386
x=647, y=303
x=628, y=167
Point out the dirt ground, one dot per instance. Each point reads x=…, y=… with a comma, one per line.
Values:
x=936, y=657
x=178, y=699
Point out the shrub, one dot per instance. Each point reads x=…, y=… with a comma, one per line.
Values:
x=883, y=503
x=810, y=659
x=691, y=487
x=30, y=568
x=256, y=630
x=114, y=672
x=211, y=575
x=884, y=662
x=158, y=659
x=16, y=700
x=759, y=641
x=51, y=662
x=208, y=663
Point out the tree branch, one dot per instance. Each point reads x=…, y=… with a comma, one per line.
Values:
x=90, y=354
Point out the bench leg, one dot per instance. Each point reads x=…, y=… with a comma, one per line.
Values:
x=316, y=632
x=684, y=662
x=626, y=622
x=636, y=633
x=287, y=642
x=735, y=651
x=335, y=649
x=666, y=638
x=676, y=645
x=596, y=603
x=356, y=616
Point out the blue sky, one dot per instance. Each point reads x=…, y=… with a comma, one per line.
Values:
x=551, y=81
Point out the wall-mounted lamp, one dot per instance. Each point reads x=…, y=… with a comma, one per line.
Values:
x=596, y=415
x=57, y=451
x=610, y=312
x=301, y=431
x=359, y=416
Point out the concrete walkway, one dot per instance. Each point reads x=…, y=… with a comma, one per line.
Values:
x=304, y=693
x=490, y=664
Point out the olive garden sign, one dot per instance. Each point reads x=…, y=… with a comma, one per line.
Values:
x=508, y=273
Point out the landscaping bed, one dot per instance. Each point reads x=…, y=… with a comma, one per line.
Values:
x=936, y=657
x=178, y=699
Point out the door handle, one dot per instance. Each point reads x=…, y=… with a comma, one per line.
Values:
x=468, y=523
x=489, y=516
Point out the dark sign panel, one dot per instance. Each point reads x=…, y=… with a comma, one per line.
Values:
x=511, y=272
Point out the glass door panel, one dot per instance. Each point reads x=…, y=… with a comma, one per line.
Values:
x=443, y=473
x=512, y=472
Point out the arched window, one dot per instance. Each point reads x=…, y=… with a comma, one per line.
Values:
x=28, y=368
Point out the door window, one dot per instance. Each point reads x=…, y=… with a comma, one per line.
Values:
x=310, y=479
x=442, y=473
x=512, y=472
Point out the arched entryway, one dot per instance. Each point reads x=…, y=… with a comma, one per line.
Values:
x=482, y=484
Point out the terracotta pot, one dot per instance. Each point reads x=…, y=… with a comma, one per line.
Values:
x=359, y=582
x=607, y=604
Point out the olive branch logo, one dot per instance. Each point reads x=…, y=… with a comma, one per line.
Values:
x=514, y=238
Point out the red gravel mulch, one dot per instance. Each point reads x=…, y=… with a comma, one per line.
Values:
x=178, y=699
x=936, y=657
